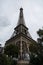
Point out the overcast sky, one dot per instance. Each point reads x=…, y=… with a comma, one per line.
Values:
x=9, y=14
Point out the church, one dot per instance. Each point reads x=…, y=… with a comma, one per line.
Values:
x=22, y=38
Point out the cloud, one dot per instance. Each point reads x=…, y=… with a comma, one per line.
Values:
x=5, y=34
x=4, y=28
x=9, y=14
x=4, y=22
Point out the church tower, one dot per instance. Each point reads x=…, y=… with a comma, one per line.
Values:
x=21, y=37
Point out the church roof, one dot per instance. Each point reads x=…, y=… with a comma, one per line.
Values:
x=21, y=18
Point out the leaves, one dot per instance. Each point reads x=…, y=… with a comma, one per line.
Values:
x=40, y=32
x=36, y=57
x=11, y=50
x=4, y=60
x=33, y=48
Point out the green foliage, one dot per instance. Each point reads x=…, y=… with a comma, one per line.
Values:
x=36, y=56
x=40, y=32
x=35, y=60
x=11, y=50
x=33, y=48
x=14, y=62
x=4, y=60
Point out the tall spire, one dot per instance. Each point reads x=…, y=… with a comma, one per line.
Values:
x=21, y=18
x=22, y=28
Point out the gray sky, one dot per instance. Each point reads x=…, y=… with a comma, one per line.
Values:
x=9, y=14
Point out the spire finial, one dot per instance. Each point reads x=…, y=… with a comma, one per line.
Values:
x=21, y=12
x=21, y=18
x=21, y=9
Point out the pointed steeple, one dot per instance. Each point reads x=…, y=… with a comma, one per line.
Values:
x=21, y=26
x=21, y=18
